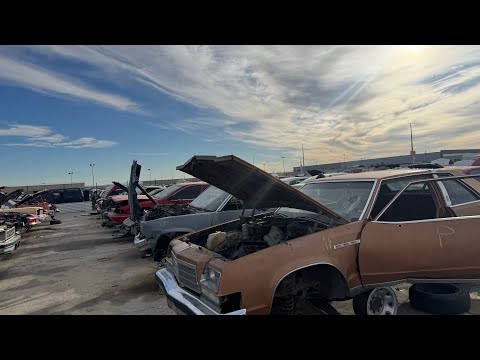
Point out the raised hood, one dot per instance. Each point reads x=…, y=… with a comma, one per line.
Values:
x=256, y=188
x=11, y=195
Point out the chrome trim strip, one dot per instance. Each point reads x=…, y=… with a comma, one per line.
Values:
x=224, y=203
x=429, y=220
x=345, y=244
x=374, y=187
x=467, y=203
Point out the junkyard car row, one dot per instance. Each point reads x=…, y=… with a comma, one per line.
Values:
x=241, y=241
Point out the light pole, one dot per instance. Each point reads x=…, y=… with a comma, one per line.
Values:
x=71, y=181
x=264, y=167
x=344, y=164
x=284, y=173
x=150, y=170
x=93, y=176
x=412, y=152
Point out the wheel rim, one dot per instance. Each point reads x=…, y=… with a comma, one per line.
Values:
x=382, y=301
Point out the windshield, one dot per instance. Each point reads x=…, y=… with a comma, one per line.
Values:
x=167, y=192
x=348, y=199
x=210, y=199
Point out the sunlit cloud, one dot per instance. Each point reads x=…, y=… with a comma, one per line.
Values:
x=356, y=100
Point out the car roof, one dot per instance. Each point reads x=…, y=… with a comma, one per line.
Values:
x=379, y=175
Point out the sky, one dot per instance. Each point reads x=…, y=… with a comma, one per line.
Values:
x=63, y=108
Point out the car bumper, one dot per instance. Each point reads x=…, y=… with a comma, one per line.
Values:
x=141, y=244
x=10, y=245
x=118, y=219
x=183, y=302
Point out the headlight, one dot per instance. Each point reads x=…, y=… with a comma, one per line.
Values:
x=210, y=279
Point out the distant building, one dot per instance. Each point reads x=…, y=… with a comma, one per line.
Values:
x=453, y=155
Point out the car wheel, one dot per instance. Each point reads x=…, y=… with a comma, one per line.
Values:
x=378, y=301
x=441, y=299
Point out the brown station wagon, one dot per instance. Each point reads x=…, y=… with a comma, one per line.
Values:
x=350, y=236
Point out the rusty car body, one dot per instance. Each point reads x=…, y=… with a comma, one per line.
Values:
x=335, y=239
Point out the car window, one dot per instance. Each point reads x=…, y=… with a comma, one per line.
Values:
x=390, y=188
x=210, y=199
x=346, y=198
x=458, y=192
x=188, y=193
x=233, y=204
x=412, y=204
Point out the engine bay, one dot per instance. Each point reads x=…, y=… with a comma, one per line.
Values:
x=258, y=233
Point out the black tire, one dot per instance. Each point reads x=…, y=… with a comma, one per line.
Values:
x=360, y=303
x=55, y=222
x=441, y=299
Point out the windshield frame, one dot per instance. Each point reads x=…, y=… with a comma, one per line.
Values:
x=369, y=198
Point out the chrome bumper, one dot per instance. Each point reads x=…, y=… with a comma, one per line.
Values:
x=141, y=244
x=182, y=301
x=10, y=245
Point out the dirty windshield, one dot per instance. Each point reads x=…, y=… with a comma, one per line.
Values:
x=210, y=199
x=347, y=199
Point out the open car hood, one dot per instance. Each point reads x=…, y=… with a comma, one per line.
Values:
x=256, y=188
x=11, y=195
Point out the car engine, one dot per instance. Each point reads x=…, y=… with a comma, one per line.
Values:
x=258, y=234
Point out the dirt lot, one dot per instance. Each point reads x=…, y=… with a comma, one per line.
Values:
x=79, y=267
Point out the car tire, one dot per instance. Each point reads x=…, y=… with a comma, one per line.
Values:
x=55, y=222
x=439, y=299
x=377, y=301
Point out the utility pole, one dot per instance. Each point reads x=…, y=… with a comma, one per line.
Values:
x=344, y=164
x=412, y=152
x=71, y=181
x=150, y=170
x=254, y=160
x=303, y=156
x=93, y=176
x=284, y=173
x=264, y=166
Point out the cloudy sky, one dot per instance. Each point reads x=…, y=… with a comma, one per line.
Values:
x=64, y=107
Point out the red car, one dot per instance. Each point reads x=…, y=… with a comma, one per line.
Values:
x=183, y=193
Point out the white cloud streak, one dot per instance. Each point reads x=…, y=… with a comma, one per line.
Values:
x=43, y=136
x=356, y=100
x=42, y=80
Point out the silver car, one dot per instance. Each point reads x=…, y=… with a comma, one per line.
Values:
x=212, y=207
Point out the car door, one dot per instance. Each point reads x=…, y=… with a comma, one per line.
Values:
x=186, y=194
x=461, y=195
x=413, y=237
x=231, y=209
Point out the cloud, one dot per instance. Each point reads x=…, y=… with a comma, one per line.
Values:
x=39, y=79
x=43, y=136
x=150, y=154
x=356, y=100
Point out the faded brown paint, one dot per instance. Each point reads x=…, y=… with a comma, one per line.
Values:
x=257, y=275
x=437, y=249
x=440, y=249
x=467, y=209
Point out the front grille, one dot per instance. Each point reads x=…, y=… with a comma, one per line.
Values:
x=7, y=234
x=185, y=274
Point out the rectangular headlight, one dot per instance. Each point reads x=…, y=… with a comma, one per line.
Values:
x=210, y=279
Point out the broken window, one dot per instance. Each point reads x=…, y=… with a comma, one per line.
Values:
x=416, y=202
